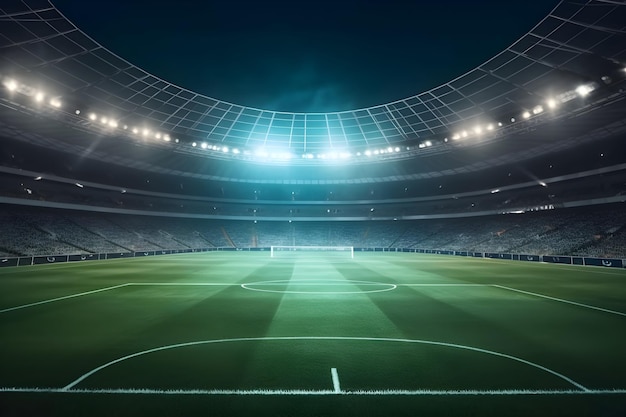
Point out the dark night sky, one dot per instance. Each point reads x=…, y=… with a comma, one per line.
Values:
x=306, y=56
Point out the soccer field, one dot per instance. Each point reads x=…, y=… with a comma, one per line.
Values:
x=240, y=333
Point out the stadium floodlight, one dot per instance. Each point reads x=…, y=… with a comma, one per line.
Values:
x=551, y=103
x=92, y=116
x=11, y=85
x=135, y=130
x=77, y=112
x=490, y=126
x=368, y=153
x=55, y=102
x=428, y=143
x=526, y=115
x=499, y=124
x=225, y=149
x=584, y=90
x=166, y=137
x=145, y=132
x=236, y=151
x=464, y=134
x=538, y=109
x=112, y=123
x=478, y=130
x=39, y=96
x=203, y=145
x=456, y=136
x=157, y=135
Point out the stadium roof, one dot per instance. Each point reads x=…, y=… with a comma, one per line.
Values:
x=578, y=48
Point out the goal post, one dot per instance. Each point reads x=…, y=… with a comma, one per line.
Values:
x=277, y=250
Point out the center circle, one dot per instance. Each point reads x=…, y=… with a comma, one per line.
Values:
x=319, y=286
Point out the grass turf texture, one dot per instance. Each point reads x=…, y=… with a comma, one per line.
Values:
x=408, y=334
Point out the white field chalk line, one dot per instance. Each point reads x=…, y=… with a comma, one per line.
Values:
x=335, y=376
x=443, y=285
x=184, y=284
x=534, y=294
x=317, y=283
x=341, y=338
x=287, y=392
x=64, y=298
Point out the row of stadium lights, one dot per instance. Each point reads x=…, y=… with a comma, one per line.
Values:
x=40, y=97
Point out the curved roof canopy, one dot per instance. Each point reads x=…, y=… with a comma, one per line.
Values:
x=580, y=46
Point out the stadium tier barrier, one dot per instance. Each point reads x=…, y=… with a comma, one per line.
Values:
x=566, y=260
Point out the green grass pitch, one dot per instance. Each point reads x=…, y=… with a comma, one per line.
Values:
x=311, y=334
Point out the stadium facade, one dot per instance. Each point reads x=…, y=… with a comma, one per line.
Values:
x=538, y=127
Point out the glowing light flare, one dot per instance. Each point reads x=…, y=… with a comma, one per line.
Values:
x=526, y=115
x=39, y=96
x=584, y=90
x=551, y=103
x=55, y=102
x=11, y=85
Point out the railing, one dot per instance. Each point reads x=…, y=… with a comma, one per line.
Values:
x=553, y=259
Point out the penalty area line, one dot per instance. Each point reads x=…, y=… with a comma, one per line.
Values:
x=303, y=392
x=561, y=300
x=52, y=300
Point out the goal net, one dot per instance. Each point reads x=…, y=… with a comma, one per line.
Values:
x=276, y=251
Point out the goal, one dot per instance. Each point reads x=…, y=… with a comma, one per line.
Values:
x=286, y=250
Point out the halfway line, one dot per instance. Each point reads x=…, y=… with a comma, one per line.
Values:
x=294, y=392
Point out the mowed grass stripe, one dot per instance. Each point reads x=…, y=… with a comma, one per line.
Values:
x=51, y=344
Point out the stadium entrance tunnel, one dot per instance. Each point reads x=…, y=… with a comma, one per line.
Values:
x=319, y=286
x=321, y=365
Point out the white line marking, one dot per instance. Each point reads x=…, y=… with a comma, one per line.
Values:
x=443, y=285
x=561, y=300
x=342, y=338
x=335, y=375
x=280, y=392
x=321, y=283
x=191, y=284
x=63, y=298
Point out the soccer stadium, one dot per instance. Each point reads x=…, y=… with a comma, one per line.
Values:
x=457, y=250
